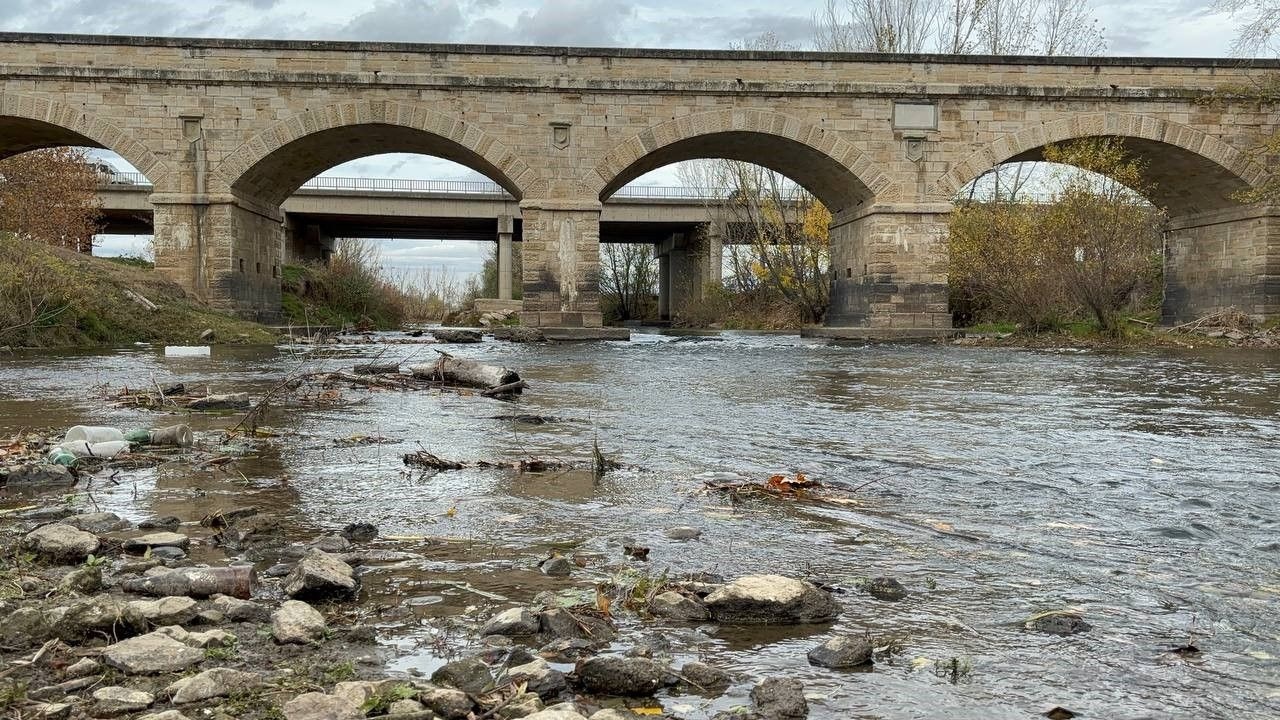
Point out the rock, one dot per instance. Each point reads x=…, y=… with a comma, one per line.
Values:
x=637, y=552
x=405, y=707
x=449, y=335
x=151, y=654
x=115, y=700
x=557, y=567
x=97, y=522
x=1057, y=622
x=84, y=580
x=207, y=334
x=360, y=532
x=559, y=712
x=885, y=588
x=143, y=543
x=518, y=334
x=172, y=610
x=297, y=622
x=218, y=682
x=318, y=706
x=335, y=544
x=25, y=626
x=469, y=675
x=559, y=624
x=447, y=703
x=210, y=639
x=522, y=705
x=780, y=699
x=361, y=691
x=54, y=711
x=319, y=574
x=515, y=622
x=168, y=553
x=771, y=599
x=621, y=675
x=237, y=610
x=60, y=542
x=168, y=522
x=674, y=606
x=684, y=533
x=567, y=650
x=96, y=615
x=166, y=715
x=842, y=651
x=704, y=679
x=84, y=667
x=40, y=474
x=539, y=678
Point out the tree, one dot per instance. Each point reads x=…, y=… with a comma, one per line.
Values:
x=489, y=272
x=628, y=278
x=1257, y=34
x=991, y=27
x=50, y=196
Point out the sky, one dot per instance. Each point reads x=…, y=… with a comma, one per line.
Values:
x=1135, y=27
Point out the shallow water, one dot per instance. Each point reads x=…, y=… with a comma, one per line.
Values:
x=1142, y=489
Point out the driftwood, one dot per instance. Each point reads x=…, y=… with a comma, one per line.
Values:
x=467, y=372
x=233, y=401
x=508, y=389
x=377, y=368
x=429, y=461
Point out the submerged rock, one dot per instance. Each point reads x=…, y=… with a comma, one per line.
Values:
x=360, y=532
x=885, y=588
x=1057, y=622
x=296, y=622
x=684, y=533
x=320, y=574
x=622, y=675
x=771, y=599
x=704, y=679
x=780, y=699
x=60, y=542
x=841, y=652
x=557, y=567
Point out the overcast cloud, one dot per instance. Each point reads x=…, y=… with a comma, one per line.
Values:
x=1142, y=27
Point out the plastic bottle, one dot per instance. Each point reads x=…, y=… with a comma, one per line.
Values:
x=141, y=437
x=58, y=456
x=92, y=434
x=81, y=449
x=236, y=581
x=174, y=435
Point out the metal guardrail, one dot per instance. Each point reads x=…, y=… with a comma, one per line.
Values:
x=480, y=188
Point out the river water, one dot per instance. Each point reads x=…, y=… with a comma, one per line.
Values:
x=1140, y=489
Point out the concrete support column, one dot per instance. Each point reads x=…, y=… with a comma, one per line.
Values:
x=561, y=263
x=714, y=272
x=506, y=227
x=664, y=286
x=225, y=250
x=1220, y=259
x=889, y=272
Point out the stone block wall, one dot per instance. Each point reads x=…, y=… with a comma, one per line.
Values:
x=1218, y=260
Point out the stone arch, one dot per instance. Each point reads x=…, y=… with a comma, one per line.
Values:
x=276, y=161
x=1191, y=171
x=31, y=122
x=827, y=165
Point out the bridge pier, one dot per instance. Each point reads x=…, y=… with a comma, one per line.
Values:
x=889, y=273
x=1220, y=259
x=227, y=251
x=561, y=264
x=686, y=265
x=506, y=228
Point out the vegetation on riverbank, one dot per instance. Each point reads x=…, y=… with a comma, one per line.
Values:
x=51, y=297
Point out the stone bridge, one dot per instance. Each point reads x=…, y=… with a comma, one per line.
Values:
x=226, y=130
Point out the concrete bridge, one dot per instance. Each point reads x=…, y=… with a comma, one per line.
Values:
x=227, y=130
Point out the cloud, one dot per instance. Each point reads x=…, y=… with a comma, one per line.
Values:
x=406, y=21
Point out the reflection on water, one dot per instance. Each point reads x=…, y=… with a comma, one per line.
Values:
x=1142, y=489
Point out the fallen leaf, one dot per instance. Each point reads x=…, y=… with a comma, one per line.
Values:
x=647, y=710
x=451, y=511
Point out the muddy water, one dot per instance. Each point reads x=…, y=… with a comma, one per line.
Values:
x=1141, y=489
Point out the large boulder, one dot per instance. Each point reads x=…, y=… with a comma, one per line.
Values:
x=772, y=600
x=60, y=542
x=622, y=675
x=842, y=651
x=298, y=623
x=780, y=699
x=320, y=574
x=671, y=605
x=151, y=654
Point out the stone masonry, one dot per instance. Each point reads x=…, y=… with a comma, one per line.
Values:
x=227, y=129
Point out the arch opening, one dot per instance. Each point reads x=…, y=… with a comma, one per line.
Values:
x=830, y=181
x=278, y=174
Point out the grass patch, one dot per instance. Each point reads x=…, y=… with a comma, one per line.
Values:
x=51, y=297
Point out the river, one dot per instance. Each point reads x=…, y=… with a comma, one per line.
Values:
x=1141, y=489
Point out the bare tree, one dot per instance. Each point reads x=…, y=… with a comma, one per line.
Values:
x=628, y=277
x=1261, y=20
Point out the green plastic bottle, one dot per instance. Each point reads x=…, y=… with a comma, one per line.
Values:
x=138, y=436
x=62, y=457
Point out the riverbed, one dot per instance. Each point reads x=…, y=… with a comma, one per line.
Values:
x=1141, y=489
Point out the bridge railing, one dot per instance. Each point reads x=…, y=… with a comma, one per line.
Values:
x=475, y=188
